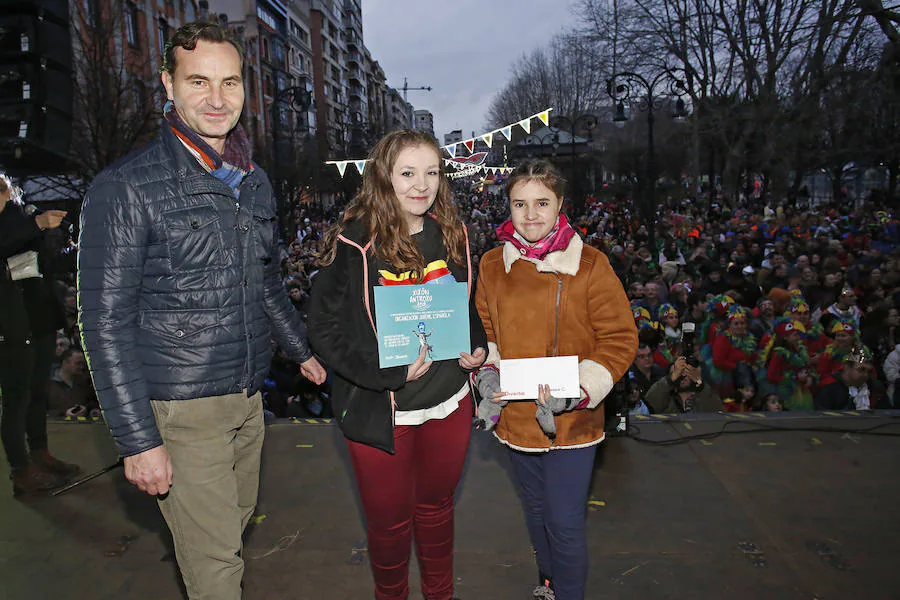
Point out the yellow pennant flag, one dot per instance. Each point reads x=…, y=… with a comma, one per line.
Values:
x=545, y=116
x=488, y=138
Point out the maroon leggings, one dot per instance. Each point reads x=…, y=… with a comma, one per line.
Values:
x=412, y=489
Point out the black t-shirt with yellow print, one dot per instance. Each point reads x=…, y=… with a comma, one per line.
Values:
x=445, y=377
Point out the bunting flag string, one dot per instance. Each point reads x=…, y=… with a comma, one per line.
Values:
x=469, y=170
x=469, y=144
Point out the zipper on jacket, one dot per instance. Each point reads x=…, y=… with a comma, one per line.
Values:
x=559, y=284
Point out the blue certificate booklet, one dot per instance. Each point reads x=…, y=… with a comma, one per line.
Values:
x=409, y=317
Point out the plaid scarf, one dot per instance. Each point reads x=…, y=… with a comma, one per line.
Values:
x=558, y=239
x=231, y=166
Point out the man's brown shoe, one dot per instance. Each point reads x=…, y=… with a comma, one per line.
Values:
x=44, y=461
x=32, y=481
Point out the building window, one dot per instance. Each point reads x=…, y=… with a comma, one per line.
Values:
x=265, y=48
x=335, y=73
x=266, y=17
x=131, y=24
x=251, y=83
x=278, y=53
x=140, y=95
x=162, y=35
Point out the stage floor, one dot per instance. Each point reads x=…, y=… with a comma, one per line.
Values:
x=751, y=514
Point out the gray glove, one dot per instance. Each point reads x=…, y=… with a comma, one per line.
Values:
x=546, y=412
x=488, y=382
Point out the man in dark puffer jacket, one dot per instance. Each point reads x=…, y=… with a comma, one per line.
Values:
x=179, y=295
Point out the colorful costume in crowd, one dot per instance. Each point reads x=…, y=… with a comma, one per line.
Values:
x=787, y=368
x=665, y=353
x=831, y=361
x=727, y=351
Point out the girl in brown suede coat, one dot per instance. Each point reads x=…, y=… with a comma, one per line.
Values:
x=545, y=293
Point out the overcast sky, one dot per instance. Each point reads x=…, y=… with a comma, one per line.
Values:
x=463, y=49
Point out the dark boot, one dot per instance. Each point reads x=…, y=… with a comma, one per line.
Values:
x=33, y=481
x=44, y=461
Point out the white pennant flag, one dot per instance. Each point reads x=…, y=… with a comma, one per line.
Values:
x=342, y=166
x=525, y=124
x=360, y=166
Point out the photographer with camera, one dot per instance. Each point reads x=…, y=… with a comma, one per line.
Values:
x=29, y=318
x=683, y=389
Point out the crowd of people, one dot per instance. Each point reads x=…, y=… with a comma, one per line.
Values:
x=193, y=319
x=782, y=298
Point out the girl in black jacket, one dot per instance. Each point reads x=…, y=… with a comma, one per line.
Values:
x=407, y=427
x=29, y=318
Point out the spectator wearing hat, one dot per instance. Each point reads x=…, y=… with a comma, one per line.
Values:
x=780, y=298
x=668, y=348
x=831, y=361
x=717, y=310
x=734, y=345
x=787, y=367
x=750, y=289
x=713, y=283
x=849, y=389
x=814, y=337
x=845, y=309
x=642, y=318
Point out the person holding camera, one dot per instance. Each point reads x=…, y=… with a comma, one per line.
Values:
x=683, y=390
x=29, y=319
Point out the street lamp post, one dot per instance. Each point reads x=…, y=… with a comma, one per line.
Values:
x=582, y=122
x=627, y=85
x=297, y=99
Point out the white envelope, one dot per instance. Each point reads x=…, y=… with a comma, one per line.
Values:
x=520, y=377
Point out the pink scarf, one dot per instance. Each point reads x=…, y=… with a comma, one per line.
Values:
x=558, y=239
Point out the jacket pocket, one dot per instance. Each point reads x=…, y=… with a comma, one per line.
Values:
x=180, y=327
x=194, y=238
x=263, y=233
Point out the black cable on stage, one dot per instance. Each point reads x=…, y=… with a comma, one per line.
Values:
x=758, y=427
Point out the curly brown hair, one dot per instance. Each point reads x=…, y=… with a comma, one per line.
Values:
x=377, y=207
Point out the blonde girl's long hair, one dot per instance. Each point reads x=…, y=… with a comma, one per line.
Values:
x=6, y=185
x=377, y=207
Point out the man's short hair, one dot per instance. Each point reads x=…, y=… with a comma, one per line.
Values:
x=189, y=34
x=68, y=353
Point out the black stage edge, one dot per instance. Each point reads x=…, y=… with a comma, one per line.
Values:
x=793, y=506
